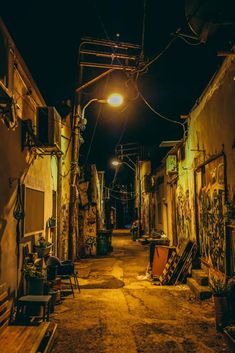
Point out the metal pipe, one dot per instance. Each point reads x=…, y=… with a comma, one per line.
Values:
x=109, y=43
x=106, y=66
x=108, y=55
x=79, y=89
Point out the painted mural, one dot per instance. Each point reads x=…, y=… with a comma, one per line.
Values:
x=64, y=230
x=183, y=213
x=211, y=220
x=90, y=229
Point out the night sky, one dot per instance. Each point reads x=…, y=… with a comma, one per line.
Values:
x=48, y=35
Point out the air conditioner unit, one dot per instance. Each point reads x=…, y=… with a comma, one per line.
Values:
x=48, y=129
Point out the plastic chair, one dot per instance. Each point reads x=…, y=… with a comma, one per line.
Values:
x=66, y=271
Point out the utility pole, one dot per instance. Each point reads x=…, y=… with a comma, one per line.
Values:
x=108, y=55
x=73, y=203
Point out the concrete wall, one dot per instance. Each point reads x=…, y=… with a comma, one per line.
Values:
x=193, y=203
x=142, y=201
x=212, y=135
x=18, y=164
x=203, y=190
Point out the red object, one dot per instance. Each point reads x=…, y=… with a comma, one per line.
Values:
x=160, y=258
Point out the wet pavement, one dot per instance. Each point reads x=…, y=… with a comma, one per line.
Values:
x=120, y=310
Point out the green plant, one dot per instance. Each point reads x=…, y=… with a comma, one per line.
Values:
x=219, y=286
x=43, y=243
x=34, y=269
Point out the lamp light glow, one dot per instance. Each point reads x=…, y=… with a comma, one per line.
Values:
x=115, y=162
x=115, y=100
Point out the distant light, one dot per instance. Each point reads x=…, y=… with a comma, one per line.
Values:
x=115, y=162
x=115, y=100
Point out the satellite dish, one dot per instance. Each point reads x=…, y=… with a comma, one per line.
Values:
x=205, y=17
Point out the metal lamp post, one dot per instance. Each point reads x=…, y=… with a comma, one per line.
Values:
x=114, y=100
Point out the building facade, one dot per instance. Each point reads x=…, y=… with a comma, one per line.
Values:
x=35, y=167
x=193, y=190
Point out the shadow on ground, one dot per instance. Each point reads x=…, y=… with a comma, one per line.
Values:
x=107, y=282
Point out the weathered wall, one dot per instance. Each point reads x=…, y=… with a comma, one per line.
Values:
x=163, y=202
x=196, y=196
x=212, y=124
x=184, y=198
x=212, y=134
x=20, y=165
x=142, y=197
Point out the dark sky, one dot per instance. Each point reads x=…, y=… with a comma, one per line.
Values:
x=48, y=35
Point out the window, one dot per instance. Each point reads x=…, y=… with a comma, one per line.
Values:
x=34, y=211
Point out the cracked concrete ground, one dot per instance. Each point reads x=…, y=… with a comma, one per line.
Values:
x=116, y=312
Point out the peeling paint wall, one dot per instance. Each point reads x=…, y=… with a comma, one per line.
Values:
x=212, y=132
x=200, y=197
x=91, y=215
x=21, y=165
x=142, y=197
x=211, y=217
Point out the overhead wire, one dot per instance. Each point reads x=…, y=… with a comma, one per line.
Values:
x=24, y=97
x=119, y=191
x=156, y=57
x=65, y=153
x=127, y=75
x=188, y=41
x=161, y=115
x=142, y=70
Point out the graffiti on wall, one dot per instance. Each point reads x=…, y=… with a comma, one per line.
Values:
x=211, y=214
x=183, y=213
x=63, y=230
x=89, y=229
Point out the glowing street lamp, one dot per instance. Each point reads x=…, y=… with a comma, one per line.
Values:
x=115, y=100
x=116, y=163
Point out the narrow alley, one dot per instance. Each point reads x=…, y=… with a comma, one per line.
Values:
x=117, y=183
x=119, y=310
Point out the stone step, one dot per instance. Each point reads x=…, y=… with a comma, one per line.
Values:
x=201, y=292
x=200, y=276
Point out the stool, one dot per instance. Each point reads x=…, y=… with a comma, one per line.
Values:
x=37, y=300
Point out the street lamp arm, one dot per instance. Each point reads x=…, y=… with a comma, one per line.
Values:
x=79, y=89
x=87, y=104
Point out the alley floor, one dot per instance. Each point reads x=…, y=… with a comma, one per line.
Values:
x=119, y=310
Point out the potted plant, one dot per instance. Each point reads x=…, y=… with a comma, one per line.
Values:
x=220, y=294
x=43, y=247
x=35, y=275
